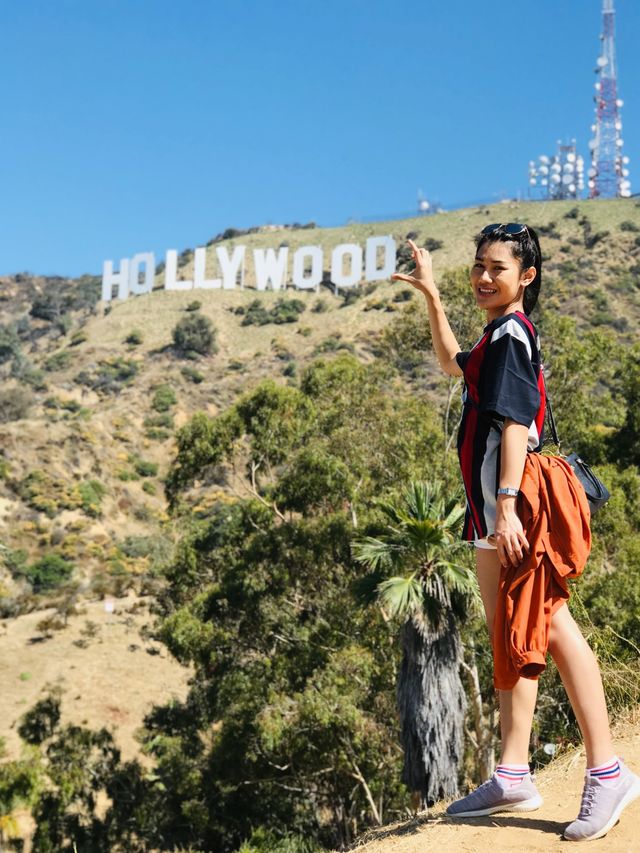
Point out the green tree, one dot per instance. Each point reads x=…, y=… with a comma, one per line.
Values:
x=431, y=595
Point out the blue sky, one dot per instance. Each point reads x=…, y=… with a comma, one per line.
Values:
x=145, y=125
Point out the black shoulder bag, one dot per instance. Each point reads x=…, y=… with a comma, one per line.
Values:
x=597, y=492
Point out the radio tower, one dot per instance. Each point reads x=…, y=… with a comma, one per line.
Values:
x=608, y=173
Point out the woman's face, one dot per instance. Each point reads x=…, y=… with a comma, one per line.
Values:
x=497, y=281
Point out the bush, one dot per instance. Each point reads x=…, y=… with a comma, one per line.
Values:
x=41, y=491
x=432, y=245
x=192, y=375
x=320, y=306
x=195, y=334
x=49, y=572
x=627, y=225
x=91, y=494
x=572, y=214
x=110, y=375
x=350, y=296
x=9, y=343
x=144, y=468
x=284, y=311
x=15, y=404
x=165, y=419
x=134, y=338
x=78, y=338
x=255, y=314
x=163, y=398
x=194, y=306
x=58, y=361
x=403, y=296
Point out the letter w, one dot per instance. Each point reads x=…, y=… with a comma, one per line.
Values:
x=270, y=267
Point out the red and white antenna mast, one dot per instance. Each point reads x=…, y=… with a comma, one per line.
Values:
x=608, y=175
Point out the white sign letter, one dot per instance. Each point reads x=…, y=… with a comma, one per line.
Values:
x=315, y=277
x=270, y=267
x=135, y=285
x=371, y=270
x=171, y=273
x=230, y=267
x=352, y=278
x=111, y=278
x=199, y=272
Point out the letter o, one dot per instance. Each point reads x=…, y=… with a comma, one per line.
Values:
x=352, y=278
x=314, y=278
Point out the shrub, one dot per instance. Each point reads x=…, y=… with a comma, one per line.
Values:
x=320, y=306
x=15, y=404
x=49, y=572
x=255, y=314
x=333, y=344
x=627, y=225
x=432, y=245
x=165, y=419
x=41, y=491
x=403, y=296
x=134, y=338
x=110, y=375
x=284, y=311
x=9, y=343
x=163, y=398
x=91, y=494
x=194, y=306
x=572, y=214
x=58, y=361
x=350, y=296
x=192, y=375
x=287, y=310
x=195, y=334
x=78, y=338
x=144, y=468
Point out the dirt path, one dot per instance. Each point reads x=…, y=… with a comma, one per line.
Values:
x=560, y=785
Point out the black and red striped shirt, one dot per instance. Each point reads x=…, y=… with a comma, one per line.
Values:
x=503, y=378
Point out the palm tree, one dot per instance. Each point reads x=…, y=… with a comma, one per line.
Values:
x=431, y=592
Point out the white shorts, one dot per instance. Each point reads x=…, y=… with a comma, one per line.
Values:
x=482, y=543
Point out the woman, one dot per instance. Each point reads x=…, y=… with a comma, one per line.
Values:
x=502, y=421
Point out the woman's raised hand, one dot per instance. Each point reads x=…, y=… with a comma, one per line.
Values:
x=422, y=278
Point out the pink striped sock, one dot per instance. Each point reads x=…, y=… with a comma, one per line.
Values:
x=609, y=772
x=510, y=775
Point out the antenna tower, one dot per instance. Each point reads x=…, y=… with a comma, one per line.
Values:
x=608, y=175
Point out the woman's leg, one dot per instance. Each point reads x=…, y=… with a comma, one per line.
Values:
x=518, y=705
x=580, y=675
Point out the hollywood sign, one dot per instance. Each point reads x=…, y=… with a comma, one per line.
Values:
x=349, y=266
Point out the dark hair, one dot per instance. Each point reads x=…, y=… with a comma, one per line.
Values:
x=526, y=248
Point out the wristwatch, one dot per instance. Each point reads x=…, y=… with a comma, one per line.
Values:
x=508, y=491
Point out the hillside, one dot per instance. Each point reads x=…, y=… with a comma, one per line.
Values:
x=86, y=416
x=93, y=392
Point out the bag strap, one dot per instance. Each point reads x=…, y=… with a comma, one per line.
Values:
x=550, y=417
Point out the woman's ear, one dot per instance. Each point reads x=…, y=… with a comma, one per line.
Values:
x=528, y=276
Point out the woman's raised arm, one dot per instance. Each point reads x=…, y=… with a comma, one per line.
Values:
x=444, y=341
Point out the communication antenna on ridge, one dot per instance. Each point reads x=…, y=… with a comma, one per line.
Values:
x=423, y=204
x=608, y=175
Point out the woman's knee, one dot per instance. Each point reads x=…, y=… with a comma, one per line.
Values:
x=563, y=632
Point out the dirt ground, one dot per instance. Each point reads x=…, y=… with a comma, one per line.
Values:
x=113, y=681
x=560, y=785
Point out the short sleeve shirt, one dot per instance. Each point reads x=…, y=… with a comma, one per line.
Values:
x=503, y=378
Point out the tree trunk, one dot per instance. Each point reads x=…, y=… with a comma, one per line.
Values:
x=432, y=705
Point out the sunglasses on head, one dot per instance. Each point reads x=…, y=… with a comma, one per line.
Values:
x=510, y=228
